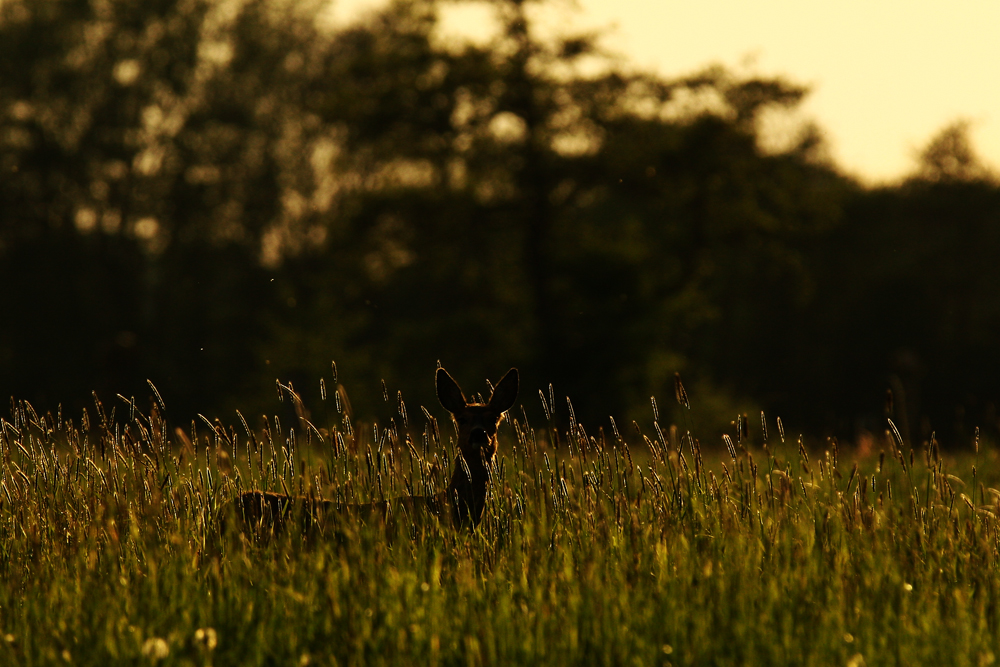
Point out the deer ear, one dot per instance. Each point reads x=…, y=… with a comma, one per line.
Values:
x=505, y=393
x=449, y=393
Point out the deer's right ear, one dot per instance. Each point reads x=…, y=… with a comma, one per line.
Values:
x=449, y=393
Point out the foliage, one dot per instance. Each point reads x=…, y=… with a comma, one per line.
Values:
x=370, y=195
x=950, y=157
x=603, y=549
x=215, y=195
x=914, y=307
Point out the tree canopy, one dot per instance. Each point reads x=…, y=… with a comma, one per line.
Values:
x=214, y=195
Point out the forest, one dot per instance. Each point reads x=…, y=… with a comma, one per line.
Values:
x=213, y=197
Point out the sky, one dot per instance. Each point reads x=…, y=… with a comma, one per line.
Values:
x=885, y=75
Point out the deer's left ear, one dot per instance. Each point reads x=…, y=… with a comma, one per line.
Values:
x=505, y=393
x=449, y=393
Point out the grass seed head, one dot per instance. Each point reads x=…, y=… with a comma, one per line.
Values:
x=545, y=406
x=680, y=393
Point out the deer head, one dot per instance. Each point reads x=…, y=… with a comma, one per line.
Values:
x=477, y=440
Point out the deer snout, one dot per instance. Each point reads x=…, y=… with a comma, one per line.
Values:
x=479, y=437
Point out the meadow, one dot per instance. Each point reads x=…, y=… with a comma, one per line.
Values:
x=619, y=545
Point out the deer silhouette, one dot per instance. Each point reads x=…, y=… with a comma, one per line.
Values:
x=262, y=512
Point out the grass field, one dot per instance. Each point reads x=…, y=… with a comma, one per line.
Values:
x=614, y=548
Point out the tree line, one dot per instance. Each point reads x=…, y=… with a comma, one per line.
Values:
x=213, y=196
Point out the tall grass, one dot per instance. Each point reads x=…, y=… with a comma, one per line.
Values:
x=615, y=547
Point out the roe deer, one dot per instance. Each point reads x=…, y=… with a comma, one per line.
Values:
x=263, y=512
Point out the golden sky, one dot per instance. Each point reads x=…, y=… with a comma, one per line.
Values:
x=885, y=75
